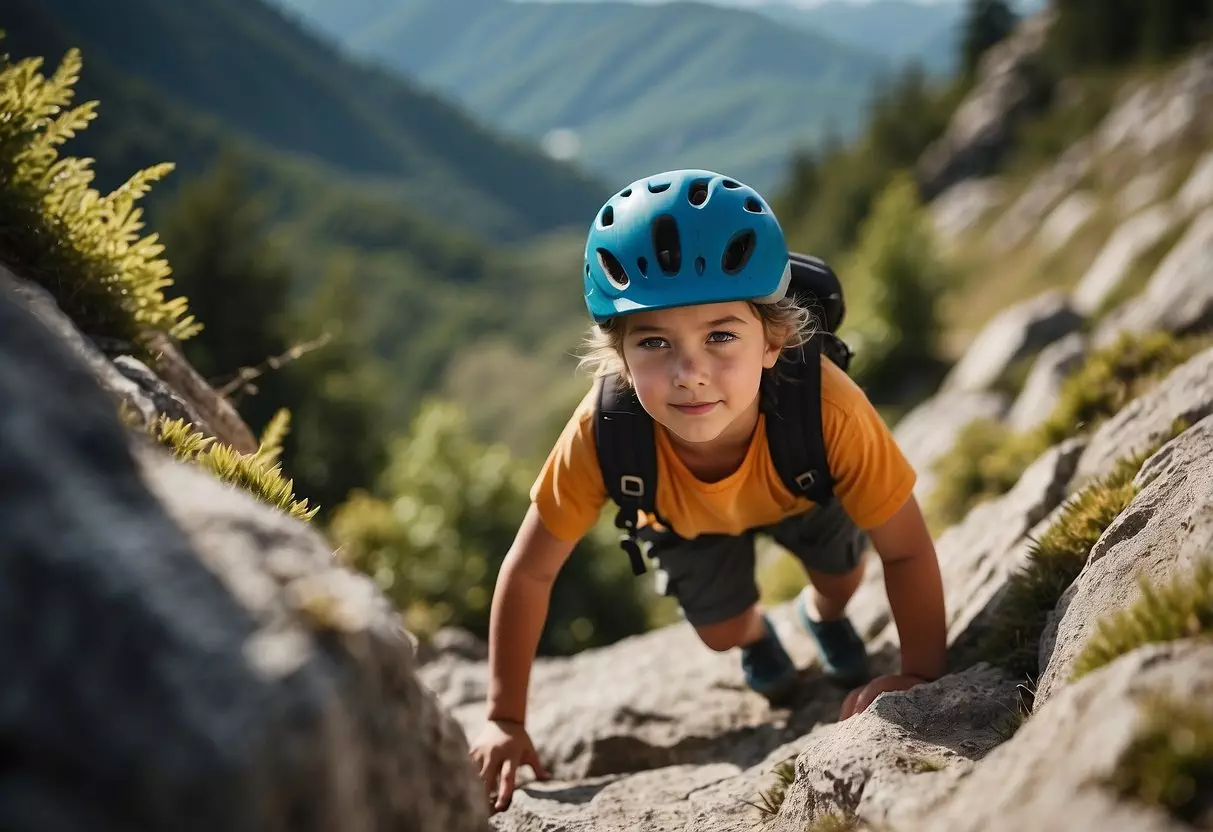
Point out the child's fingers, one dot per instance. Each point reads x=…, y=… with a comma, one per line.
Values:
x=509, y=770
x=532, y=759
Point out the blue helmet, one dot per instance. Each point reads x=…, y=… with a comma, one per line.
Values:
x=680, y=238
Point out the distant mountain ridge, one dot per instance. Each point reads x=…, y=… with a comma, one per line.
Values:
x=639, y=87
x=250, y=74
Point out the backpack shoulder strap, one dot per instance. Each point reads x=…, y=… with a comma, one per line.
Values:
x=794, y=429
x=627, y=456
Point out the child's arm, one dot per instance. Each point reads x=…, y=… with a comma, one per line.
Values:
x=915, y=590
x=519, y=609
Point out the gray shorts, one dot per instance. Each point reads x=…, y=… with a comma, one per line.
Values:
x=712, y=576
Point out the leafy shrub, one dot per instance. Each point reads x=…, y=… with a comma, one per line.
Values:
x=436, y=531
x=896, y=276
x=58, y=231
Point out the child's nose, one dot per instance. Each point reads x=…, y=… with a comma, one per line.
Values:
x=690, y=370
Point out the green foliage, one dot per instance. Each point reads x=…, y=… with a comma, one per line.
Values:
x=829, y=191
x=986, y=461
x=57, y=230
x=1170, y=761
x=1183, y=608
x=834, y=822
x=1116, y=32
x=988, y=458
x=895, y=281
x=447, y=513
x=986, y=22
x=772, y=798
x=257, y=472
x=1054, y=561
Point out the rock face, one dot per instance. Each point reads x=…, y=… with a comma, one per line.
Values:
x=1176, y=505
x=1013, y=334
x=929, y=430
x=1010, y=84
x=1043, y=386
x=1112, y=264
x=176, y=655
x=1179, y=296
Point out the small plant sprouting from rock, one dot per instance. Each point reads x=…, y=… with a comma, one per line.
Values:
x=257, y=473
x=1054, y=561
x=834, y=822
x=1182, y=608
x=1012, y=637
x=923, y=765
x=1170, y=761
x=1019, y=715
x=771, y=799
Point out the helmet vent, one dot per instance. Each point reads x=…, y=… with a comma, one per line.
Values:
x=656, y=188
x=752, y=205
x=614, y=271
x=643, y=265
x=701, y=265
x=666, y=244
x=698, y=194
x=731, y=185
x=737, y=252
x=608, y=216
x=626, y=192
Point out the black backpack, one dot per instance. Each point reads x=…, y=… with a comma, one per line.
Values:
x=791, y=398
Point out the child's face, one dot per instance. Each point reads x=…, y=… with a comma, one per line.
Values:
x=697, y=369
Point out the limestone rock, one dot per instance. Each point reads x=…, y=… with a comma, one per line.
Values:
x=1166, y=527
x=1179, y=297
x=1158, y=117
x=1043, y=386
x=1112, y=264
x=1043, y=193
x=1141, y=192
x=1068, y=217
x=891, y=764
x=1186, y=393
x=1197, y=192
x=1012, y=335
x=1010, y=85
x=1049, y=775
x=177, y=655
x=963, y=206
x=930, y=430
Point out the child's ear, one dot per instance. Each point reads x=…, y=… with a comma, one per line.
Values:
x=771, y=353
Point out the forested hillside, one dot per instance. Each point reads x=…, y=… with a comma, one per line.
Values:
x=642, y=88
x=199, y=74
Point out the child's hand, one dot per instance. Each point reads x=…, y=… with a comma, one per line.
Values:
x=500, y=750
x=857, y=701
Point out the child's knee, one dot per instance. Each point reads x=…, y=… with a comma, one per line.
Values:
x=732, y=632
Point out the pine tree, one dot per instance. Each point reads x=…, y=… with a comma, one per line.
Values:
x=986, y=23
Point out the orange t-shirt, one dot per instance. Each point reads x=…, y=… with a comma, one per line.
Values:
x=872, y=478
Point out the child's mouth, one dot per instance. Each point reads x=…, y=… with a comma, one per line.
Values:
x=696, y=409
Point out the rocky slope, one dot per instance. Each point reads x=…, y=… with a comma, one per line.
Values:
x=175, y=654
x=659, y=733
x=180, y=656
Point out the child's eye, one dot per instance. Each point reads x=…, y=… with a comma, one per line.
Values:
x=652, y=343
x=722, y=337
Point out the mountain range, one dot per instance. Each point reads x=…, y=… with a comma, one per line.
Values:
x=627, y=88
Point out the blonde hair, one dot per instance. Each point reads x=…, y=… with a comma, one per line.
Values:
x=786, y=322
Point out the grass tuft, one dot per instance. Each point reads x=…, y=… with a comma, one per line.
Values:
x=771, y=799
x=1182, y=608
x=257, y=473
x=988, y=458
x=1169, y=764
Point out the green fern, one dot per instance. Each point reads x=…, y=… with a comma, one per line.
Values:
x=58, y=231
x=254, y=472
x=1182, y=608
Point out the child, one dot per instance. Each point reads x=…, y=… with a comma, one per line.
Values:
x=686, y=277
